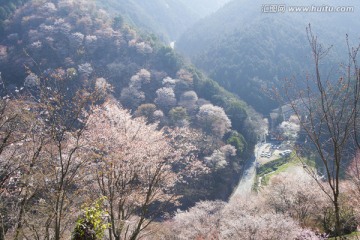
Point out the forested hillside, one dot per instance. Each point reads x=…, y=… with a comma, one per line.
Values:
x=203, y=8
x=108, y=133
x=248, y=51
x=68, y=72
x=168, y=19
x=106, y=48
x=7, y=8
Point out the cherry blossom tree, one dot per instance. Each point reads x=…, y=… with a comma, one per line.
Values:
x=141, y=77
x=288, y=194
x=199, y=222
x=189, y=100
x=238, y=219
x=328, y=110
x=213, y=120
x=131, y=97
x=165, y=98
x=220, y=157
x=16, y=126
x=49, y=178
x=146, y=110
x=291, y=128
x=138, y=167
x=352, y=185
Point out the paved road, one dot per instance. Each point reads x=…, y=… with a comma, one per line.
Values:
x=246, y=182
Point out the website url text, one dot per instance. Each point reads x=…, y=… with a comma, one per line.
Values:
x=282, y=8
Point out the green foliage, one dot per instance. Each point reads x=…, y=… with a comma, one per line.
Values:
x=146, y=110
x=10, y=6
x=118, y=22
x=91, y=225
x=252, y=52
x=348, y=221
x=237, y=140
x=237, y=110
x=122, y=56
x=178, y=114
x=271, y=166
x=71, y=73
x=209, y=90
x=166, y=58
x=6, y=9
x=3, y=13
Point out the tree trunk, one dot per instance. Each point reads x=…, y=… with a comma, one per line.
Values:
x=2, y=229
x=19, y=221
x=337, y=217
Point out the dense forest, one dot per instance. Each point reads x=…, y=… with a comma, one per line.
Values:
x=108, y=132
x=62, y=62
x=7, y=8
x=250, y=52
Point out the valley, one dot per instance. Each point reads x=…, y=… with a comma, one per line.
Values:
x=179, y=119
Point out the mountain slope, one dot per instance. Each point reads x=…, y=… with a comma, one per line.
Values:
x=167, y=18
x=6, y=10
x=248, y=51
x=203, y=8
x=77, y=44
